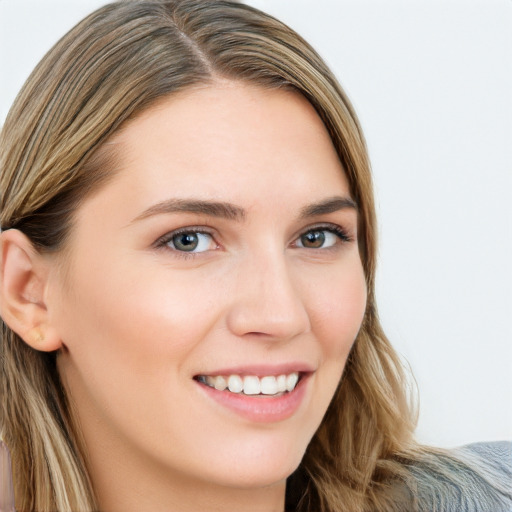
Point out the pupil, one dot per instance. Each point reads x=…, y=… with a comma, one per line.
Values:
x=313, y=239
x=185, y=241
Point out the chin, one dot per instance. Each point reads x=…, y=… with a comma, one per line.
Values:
x=258, y=470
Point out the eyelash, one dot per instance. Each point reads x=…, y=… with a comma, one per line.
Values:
x=330, y=228
x=163, y=241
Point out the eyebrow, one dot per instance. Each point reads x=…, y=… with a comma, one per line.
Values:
x=211, y=208
x=232, y=212
x=330, y=205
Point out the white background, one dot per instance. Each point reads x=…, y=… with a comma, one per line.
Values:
x=432, y=83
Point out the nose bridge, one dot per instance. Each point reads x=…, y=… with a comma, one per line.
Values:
x=267, y=299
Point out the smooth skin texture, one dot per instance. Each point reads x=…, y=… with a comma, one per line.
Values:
x=137, y=318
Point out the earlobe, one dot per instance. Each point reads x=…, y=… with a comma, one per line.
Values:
x=42, y=337
x=23, y=280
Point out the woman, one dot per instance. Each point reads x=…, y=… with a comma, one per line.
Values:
x=188, y=260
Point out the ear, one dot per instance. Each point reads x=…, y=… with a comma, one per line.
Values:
x=24, y=275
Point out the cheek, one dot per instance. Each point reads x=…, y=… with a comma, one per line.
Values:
x=130, y=340
x=125, y=328
x=337, y=311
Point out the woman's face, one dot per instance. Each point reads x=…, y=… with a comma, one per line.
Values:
x=222, y=253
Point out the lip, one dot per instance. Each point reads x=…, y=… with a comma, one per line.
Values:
x=259, y=408
x=262, y=370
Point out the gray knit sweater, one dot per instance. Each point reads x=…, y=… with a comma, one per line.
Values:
x=484, y=471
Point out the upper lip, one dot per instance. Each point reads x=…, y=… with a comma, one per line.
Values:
x=261, y=370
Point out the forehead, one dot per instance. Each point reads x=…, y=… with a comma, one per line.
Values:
x=228, y=141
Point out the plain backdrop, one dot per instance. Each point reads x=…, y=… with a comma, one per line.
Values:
x=432, y=84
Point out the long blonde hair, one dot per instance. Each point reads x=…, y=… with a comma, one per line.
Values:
x=104, y=72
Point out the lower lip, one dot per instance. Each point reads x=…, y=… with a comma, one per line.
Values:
x=260, y=408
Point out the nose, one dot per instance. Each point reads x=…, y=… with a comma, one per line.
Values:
x=267, y=300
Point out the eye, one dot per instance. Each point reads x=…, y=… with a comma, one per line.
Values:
x=189, y=241
x=322, y=238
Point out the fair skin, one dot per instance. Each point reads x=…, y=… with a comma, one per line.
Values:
x=266, y=281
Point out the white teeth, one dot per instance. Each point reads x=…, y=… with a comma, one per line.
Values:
x=281, y=383
x=235, y=384
x=252, y=385
x=220, y=383
x=291, y=381
x=268, y=385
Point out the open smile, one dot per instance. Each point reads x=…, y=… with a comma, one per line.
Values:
x=260, y=399
x=269, y=385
